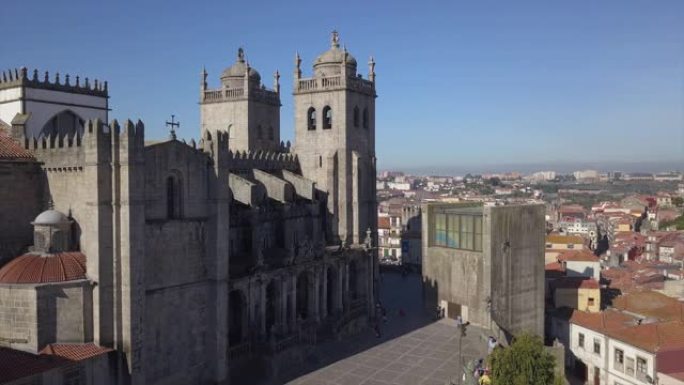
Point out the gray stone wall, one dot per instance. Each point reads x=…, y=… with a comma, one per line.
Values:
x=21, y=189
x=19, y=318
x=517, y=263
x=64, y=312
x=189, y=166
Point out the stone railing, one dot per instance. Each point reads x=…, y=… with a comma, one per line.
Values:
x=326, y=83
x=237, y=352
x=221, y=95
x=259, y=94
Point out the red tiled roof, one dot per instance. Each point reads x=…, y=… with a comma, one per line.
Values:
x=600, y=322
x=75, y=352
x=15, y=364
x=11, y=150
x=36, y=268
x=650, y=303
x=578, y=256
x=652, y=337
x=383, y=222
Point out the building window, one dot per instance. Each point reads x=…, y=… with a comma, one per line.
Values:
x=260, y=134
x=548, y=245
x=641, y=367
x=271, y=134
x=571, y=246
x=458, y=231
x=619, y=360
x=591, y=301
x=327, y=117
x=356, y=116
x=581, y=340
x=597, y=346
x=311, y=118
x=365, y=118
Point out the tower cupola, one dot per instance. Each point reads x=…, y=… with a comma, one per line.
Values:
x=329, y=63
x=51, y=232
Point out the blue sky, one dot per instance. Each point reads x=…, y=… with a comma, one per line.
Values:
x=460, y=83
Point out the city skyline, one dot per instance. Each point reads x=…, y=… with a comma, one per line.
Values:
x=468, y=87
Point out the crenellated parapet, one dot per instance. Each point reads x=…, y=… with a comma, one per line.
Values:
x=66, y=154
x=263, y=160
x=20, y=77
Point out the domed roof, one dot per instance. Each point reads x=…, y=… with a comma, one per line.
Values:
x=38, y=268
x=50, y=217
x=335, y=55
x=239, y=69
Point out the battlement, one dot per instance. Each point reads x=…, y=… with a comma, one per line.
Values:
x=339, y=82
x=20, y=78
x=68, y=153
x=263, y=160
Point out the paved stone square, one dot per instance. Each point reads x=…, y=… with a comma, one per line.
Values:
x=413, y=349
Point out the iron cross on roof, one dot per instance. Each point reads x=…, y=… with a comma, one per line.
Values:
x=173, y=125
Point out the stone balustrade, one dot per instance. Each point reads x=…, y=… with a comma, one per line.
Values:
x=333, y=82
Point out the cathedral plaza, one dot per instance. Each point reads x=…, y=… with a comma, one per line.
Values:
x=413, y=349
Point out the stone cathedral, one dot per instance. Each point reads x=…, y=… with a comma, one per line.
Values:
x=130, y=261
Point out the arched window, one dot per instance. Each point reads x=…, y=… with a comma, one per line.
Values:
x=64, y=124
x=271, y=134
x=260, y=134
x=311, y=118
x=173, y=197
x=327, y=117
x=365, y=118
x=356, y=116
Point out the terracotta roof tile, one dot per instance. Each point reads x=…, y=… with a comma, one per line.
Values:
x=75, y=352
x=652, y=337
x=577, y=256
x=602, y=321
x=36, y=268
x=15, y=364
x=565, y=239
x=650, y=303
x=11, y=150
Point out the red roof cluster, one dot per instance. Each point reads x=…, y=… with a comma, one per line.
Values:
x=15, y=364
x=11, y=150
x=37, y=268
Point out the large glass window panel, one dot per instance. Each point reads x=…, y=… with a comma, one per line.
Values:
x=478, y=233
x=467, y=232
x=440, y=230
x=453, y=237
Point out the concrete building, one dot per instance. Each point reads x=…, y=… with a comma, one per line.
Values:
x=182, y=261
x=486, y=263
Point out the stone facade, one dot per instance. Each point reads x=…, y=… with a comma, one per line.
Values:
x=200, y=255
x=497, y=281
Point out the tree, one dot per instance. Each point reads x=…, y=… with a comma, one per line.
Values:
x=525, y=362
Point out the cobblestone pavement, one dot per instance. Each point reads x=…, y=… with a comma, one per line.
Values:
x=413, y=349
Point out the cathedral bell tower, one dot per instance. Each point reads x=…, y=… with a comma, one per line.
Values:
x=243, y=106
x=335, y=139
